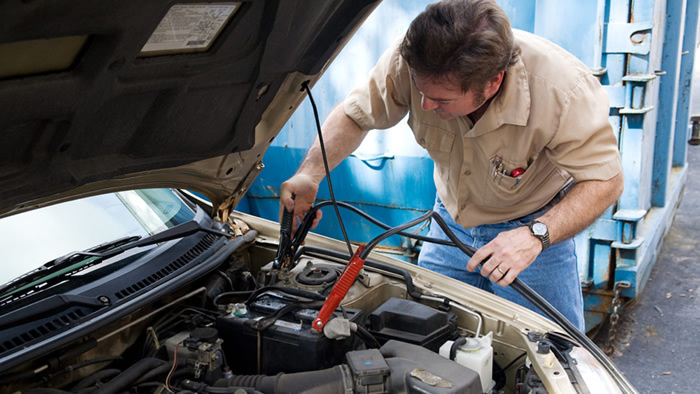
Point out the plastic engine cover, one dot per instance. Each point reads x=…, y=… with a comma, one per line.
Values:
x=412, y=322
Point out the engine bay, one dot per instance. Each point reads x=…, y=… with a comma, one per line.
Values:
x=246, y=327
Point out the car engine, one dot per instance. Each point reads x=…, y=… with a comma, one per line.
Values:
x=246, y=327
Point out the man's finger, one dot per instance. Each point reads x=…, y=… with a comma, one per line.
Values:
x=317, y=219
x=480, y=257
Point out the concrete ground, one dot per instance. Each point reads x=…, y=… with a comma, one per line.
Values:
x=657, y=345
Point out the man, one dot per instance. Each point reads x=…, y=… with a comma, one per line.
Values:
x=525, y=157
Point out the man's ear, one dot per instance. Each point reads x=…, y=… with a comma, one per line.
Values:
x=494, y=84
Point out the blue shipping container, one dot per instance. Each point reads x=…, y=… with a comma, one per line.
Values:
x=642, y=51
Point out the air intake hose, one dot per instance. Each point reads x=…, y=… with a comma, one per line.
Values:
x=333, y=380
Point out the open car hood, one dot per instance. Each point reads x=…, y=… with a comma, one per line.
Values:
x=109, y=95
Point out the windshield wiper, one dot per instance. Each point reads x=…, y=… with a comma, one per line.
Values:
x=61, y=267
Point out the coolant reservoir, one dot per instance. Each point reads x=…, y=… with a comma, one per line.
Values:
x=475, y=354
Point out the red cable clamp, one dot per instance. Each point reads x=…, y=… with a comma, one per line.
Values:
x=340, y=290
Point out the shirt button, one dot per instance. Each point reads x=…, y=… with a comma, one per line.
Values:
x=422, y=141
x=467, y=172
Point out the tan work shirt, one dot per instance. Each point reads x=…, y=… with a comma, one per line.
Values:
x=550, y=119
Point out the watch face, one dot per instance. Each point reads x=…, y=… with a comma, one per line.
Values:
x=539, y=228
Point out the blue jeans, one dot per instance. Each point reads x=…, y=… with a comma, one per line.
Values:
x=553, y=275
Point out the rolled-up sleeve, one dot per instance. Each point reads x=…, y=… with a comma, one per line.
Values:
x=381, y=101
x=585, y=144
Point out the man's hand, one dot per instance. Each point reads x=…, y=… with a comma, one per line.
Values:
x=514, y=250
x=304, y=189
x=506, y=255
x=342, y=136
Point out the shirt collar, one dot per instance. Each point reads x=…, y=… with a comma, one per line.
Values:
x=511, y=104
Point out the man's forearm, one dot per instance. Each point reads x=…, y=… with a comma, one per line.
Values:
x=583, y=204
x=341, y=136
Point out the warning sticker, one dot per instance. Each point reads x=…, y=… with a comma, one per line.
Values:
x=189, y=28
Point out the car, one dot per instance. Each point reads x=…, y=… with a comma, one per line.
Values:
x=130, y=131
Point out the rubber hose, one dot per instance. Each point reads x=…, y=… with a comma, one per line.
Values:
x=126, y=378
x=457, y=343
x=90, y=380
x=335, y=380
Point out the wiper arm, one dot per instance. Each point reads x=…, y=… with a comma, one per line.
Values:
x=179, y=231
x=62, y=266
x=93, y=251
x=45, y=307
x=76, y=261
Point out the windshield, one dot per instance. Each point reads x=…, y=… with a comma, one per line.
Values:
x=30, y=239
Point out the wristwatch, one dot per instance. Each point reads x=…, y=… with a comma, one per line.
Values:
x=539, y=230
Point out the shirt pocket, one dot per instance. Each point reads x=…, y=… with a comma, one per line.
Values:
x=509, y=178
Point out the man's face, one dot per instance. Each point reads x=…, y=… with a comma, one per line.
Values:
x=446, y=98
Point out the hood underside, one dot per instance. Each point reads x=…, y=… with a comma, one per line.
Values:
x=107, y=95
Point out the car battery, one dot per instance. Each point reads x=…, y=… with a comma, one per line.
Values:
x=412, y=322
x=274, y=335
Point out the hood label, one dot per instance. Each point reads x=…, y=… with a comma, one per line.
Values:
x=189, y=28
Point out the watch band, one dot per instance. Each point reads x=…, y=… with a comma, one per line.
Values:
x=545, y=241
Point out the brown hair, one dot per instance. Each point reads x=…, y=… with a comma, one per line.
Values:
x=465, y=41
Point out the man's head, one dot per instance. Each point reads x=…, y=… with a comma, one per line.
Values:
x=460, y=44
